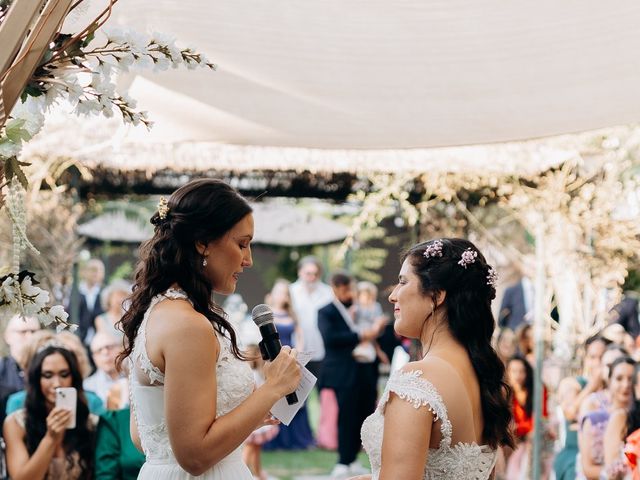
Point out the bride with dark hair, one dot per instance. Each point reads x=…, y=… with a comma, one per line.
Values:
x=444, y=416
x=193, y=396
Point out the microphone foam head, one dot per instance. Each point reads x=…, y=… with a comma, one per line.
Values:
x=262, y=314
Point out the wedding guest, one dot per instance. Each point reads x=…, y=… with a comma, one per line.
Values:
x=594, y=423
x=572, y=391
x=112, y=299
x=367, y=311
x=39, y=445
x=106, y=381
x=520, y=379
x=17, y=335
x=601, y=399
x=117, y=458
x=297, y=435
x=353, y=382
x=308, y=295
x=90, y=287
x=72, y=343
x=622, y=424
x=517, y=304
x=506, y=345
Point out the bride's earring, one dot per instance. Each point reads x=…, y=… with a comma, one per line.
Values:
x=204, y=261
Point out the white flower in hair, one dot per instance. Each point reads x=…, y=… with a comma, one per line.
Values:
x=468, y=257
x=492, y=277
x=433, y=250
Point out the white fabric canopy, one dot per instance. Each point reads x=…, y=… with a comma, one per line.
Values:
x=390, y=75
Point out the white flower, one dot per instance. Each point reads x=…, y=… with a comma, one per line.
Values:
x=161, y=64
x=116, y=35
x=28, y=288
x=138, y=42
x=59, y=313
x=44, y=318
x=8, y=290
x=144, y=62
x=54, y=93
x=162, y=38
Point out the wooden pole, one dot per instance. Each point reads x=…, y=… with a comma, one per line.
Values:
x=25, y=34
x=538, y=331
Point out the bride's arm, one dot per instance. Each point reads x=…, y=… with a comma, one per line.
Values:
x=405, y=445
x=200, y=440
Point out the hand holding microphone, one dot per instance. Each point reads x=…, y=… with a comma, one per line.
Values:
x=284, y=371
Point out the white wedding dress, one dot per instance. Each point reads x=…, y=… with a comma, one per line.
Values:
x=234, y=383
x=463, y=461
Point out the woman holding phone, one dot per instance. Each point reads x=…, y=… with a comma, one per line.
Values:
x=40, y=443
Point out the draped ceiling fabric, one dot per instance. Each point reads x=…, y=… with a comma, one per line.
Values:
x=358, y=80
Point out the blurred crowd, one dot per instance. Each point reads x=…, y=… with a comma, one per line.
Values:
x=590, y=419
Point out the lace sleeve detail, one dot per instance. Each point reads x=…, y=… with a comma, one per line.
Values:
x=412, y=388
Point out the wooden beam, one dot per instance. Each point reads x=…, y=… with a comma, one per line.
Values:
x=13, y=30
x=15, y=77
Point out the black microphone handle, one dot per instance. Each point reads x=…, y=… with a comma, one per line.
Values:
x=271, y=346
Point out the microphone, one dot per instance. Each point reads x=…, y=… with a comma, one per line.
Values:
x=270, y=345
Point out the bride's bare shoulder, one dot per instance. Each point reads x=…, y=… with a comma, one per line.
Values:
x=178, y=317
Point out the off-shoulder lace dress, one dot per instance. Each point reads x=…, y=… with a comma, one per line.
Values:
x=234, y=384
x=463, y=461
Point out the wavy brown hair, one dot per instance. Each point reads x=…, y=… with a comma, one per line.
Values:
x=470, y=320
x=202, y=210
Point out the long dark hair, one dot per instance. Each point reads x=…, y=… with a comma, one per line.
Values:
x=470, y=320
x=528, y=382
x=80, y=439
x=202, y=210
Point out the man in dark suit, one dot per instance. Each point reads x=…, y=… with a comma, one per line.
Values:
x=517, y=305
x=90, y=307
x=354, y=383
x=626, y=314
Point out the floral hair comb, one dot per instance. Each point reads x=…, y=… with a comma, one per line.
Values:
x=433, y=250
x=492, y=277
x=468, y=257
x=163, y=208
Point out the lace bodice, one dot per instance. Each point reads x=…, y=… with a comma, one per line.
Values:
x=462, y=461
x=234, y=383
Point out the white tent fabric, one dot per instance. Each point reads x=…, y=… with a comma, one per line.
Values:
x=390, y=75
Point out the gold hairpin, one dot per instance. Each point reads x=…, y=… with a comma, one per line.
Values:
x=163, y=208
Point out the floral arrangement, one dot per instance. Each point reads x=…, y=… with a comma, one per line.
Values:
x=81, y=69
x=19, y=295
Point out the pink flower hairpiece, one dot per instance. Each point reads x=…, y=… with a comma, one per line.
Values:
x=492, y=277
x=468, y=257
x=433, y=250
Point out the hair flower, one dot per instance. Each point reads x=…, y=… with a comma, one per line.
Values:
x=492, y=277
x=468, y=257
x=163, y=208
x=433, y=250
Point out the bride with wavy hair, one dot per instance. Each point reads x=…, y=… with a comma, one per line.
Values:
x=193, y=396
x=444, y=416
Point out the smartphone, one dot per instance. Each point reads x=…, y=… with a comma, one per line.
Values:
x=67, y=398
